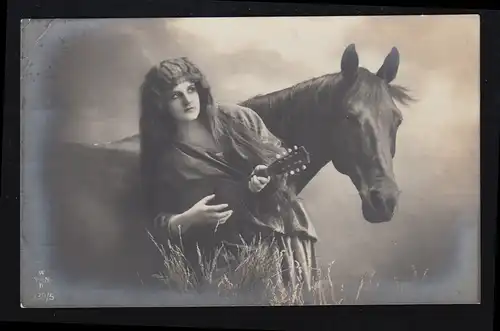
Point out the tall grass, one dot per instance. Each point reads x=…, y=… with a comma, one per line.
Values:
x=252, y=274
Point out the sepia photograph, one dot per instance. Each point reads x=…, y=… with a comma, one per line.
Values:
x=250, y=161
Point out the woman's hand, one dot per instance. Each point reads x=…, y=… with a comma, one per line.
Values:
x=257, y=183
x=202, y=213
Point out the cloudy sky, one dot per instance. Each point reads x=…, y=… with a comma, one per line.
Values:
x=87, y=73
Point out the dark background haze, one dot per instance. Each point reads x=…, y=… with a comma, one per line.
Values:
x=80, y=82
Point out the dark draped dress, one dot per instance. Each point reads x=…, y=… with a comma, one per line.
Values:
x=188, y=178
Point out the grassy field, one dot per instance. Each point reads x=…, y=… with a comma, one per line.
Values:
x=255, y=279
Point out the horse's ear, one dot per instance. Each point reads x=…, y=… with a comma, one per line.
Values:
x=350, y=62
x=389, y=68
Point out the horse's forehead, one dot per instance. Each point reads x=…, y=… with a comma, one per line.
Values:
x=363, y=107
x=372, y=106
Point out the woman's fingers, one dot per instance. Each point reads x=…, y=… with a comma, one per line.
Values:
x=224, y=216
x=263, y=180
x=207, y=199
x=258, y=183
x=260, y=167
x=254, y=183
x=216, y=208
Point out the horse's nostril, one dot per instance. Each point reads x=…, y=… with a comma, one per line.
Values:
x=377, y=200
x=391, y=204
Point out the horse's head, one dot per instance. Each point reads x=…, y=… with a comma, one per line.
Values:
x=365, y=138
x=349, y=118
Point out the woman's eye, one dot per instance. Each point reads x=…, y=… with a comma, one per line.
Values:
x=192, y=89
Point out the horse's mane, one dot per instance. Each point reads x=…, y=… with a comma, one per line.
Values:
x=314, y=85
x=366, y=84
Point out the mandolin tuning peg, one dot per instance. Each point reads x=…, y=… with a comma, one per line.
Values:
x=278, y=156
x=292, y=172
x=304, y=167
x=295, y=147
x=297, y=170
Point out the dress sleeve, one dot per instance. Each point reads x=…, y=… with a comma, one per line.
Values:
x=164, y=204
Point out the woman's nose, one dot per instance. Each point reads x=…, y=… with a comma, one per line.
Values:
x=186, y=99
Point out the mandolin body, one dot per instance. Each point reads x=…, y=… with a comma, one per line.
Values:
x=243, y=222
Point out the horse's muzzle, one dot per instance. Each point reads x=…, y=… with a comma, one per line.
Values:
x=379, y=204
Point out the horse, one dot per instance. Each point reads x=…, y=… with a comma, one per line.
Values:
x=349, y=118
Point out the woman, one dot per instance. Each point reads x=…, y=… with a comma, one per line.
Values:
x=189, y=146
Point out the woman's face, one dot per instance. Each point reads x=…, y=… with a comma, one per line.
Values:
x=184, y=102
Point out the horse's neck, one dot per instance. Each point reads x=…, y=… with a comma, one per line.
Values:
x=297, y=127
x=300, y=182
x=288, y=120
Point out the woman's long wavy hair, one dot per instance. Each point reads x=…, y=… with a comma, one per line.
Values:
x=158, y=129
